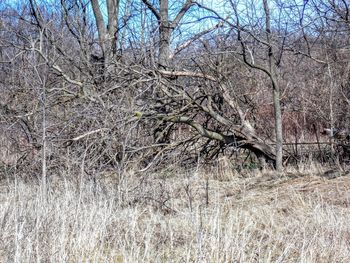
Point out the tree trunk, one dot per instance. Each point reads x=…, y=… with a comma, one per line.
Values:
x=107, y=33
x=164, y=35
x=112, y=27
x=278, y=128
x=166, y=27
x=276, y=91
x=246, y=138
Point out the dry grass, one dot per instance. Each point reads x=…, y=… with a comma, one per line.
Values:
x=296, y=217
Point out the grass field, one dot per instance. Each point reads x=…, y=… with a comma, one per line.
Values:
x=178, y=217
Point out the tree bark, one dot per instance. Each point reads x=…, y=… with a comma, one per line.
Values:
x=107, y=33
x=166, y=28
x=276, y=91
x=112, y=27
x=278, y=128
x=165, y=31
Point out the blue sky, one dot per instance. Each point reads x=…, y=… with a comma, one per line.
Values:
x=250, y=13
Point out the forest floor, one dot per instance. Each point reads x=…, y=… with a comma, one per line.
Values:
x=297, y=216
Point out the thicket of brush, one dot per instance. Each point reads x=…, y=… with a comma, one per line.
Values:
x=148, y=131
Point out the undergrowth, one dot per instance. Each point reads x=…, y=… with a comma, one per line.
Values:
x=187, y=217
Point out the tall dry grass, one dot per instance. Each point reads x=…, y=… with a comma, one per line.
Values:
x=177, y=217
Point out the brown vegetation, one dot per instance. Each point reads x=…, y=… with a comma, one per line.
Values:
x=126, y=129
x=182, y=217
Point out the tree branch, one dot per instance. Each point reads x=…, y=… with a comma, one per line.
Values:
x=101, y=27
x=187, y=74
x=183, y=46
x=152, y=9
x=181, y=13
x=59, y=70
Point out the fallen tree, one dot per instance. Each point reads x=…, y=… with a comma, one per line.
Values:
x=205, y=110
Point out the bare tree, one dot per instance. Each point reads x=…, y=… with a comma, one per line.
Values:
x=108, y=34
x=166, y=26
